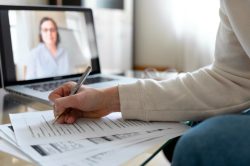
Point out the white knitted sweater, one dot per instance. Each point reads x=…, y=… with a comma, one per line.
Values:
x=223, y=87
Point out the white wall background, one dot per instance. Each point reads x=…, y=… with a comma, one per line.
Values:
x=114, y=36
x=175, y=33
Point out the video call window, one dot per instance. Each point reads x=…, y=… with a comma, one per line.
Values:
x=48, y=43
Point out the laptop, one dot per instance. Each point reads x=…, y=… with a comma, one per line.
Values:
x=43, y=47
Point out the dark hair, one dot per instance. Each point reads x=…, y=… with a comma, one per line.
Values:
x=40, y=28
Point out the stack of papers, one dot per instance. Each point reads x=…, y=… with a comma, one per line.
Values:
x=110, y=140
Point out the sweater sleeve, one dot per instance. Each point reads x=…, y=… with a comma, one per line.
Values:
x=223, y=87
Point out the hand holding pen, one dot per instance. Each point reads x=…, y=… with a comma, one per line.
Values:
x=75, y=89
x=87, y=103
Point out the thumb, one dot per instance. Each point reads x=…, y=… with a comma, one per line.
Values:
x=63, y=103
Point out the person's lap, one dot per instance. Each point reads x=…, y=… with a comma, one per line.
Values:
x=222, y=140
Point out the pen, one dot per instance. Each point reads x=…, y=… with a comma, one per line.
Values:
x=75, y=89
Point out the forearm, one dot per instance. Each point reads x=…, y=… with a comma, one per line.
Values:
x=193, y=96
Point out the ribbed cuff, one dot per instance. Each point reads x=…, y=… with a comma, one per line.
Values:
x=130, y=101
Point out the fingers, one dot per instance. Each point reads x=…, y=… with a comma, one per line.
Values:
x=70, y=117
x=61, y=91
x=73, y=115
x=88, y=103
x=64, y=103
x=61, y=101
x=88, y=114
x=61, y=119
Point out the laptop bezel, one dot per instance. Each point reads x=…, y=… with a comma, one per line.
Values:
x=6, y=44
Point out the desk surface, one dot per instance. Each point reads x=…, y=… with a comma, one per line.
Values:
x=11, y=103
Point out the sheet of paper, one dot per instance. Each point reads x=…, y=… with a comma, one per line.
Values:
x=7, y=146
x=91, y=145
x=79, y=158
x=8, y=143
x=44, y=141
x=120, y=156
x=112, y=156
x=57, y=149
x=7, y=133
x=38, y=127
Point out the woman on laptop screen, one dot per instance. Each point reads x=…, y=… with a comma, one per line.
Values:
x=47, y=59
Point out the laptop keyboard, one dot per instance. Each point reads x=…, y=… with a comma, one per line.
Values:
x=49, y=86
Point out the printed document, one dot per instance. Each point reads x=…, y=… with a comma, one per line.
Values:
x=111, y=156
x=86, y=142
x=38, y=127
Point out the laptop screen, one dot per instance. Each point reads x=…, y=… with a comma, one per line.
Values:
x=46, y=43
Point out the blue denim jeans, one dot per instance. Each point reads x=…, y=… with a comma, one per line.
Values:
x=222, y=140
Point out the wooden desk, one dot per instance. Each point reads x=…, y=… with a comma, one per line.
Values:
x=10, y=103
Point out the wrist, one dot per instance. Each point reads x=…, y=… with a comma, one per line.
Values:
x=112, y=99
